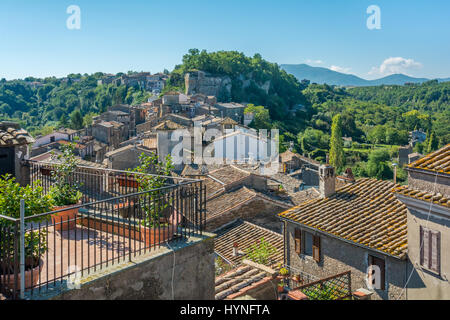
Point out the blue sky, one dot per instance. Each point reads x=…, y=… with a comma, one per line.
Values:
x=150, y=35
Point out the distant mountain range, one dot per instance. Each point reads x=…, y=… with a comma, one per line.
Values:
x=323, y=75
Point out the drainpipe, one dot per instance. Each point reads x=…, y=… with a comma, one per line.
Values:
x=22, y=248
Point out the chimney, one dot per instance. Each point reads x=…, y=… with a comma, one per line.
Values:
x=348, y=174
x=235, y=249
x=327, y=159
x=395, y=172
x=327, y=181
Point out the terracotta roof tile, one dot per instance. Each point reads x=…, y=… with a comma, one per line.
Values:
x=227, y=201
x=438, y=161
x=435, y=198
x=228, y=174
x=246, y=234
x=236, y=280
x=366, y=213
x=11, y=135
x=168, y=125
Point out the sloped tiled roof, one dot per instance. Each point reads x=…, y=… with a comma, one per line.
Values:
x=289, y=155
x=228, y=174
x=366, y=213
x=168, y=125
x=246, y=234
x=437, y=198
x=227, y=201
x=12, y=135
x=438, y=161
x=237, y=281
x=212, y=187
x=228, y=121
x=305, y=195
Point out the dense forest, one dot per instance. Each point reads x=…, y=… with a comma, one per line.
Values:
x=378, y=119
x=61, y=101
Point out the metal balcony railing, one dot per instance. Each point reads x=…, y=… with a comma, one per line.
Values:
x=115, y=221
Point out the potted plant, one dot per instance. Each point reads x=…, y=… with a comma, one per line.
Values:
x=65, y=190
x=35, y=241
x=151, y=175
x=260, y=252
x=280, y=287
x=284, y=272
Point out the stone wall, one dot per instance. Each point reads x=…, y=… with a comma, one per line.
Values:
x=427, y=284
x=201, y=82
x=310, y=177
x=338, y=256
x=426, y=182
x=150, y=277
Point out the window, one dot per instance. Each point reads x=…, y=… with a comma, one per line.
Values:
x=430, y=250
x=311, y=245
x=308, y=250
x=377, y=264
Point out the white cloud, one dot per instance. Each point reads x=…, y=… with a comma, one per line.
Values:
x=395, y=65
x=314, y=61
x=340, y=69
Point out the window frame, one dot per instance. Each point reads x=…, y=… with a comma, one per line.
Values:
x=428, y=251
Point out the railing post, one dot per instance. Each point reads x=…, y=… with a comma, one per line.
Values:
x=22, y=248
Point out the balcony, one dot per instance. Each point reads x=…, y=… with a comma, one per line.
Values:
x=110, y=226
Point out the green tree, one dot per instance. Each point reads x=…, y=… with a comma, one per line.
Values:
x=261, y=115
x=432, y=143
x=76, y=120
x=378, y=164
x=63, y=121
x=337, y=157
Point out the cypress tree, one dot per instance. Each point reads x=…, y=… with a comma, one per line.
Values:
x=337, y=158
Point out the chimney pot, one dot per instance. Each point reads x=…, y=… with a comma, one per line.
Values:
x=327, y=181
x=235, y=249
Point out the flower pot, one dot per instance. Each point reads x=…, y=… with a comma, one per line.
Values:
x=31, y=278
x=125, y=209
x=65, y=220
x=154, y=236
x=129, y=182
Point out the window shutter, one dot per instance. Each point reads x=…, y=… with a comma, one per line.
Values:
x=435, y=251
x=316, y=248
x=298, y=241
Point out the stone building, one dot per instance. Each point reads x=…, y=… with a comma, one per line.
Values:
x=14, y=143
x=126, y=157
x=111, y=133
x=358, y=226
x=427, y=197
x=232, y=110
x=233, y=193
